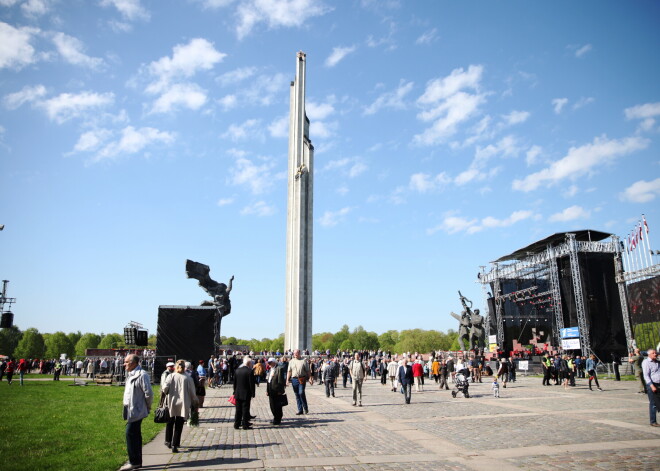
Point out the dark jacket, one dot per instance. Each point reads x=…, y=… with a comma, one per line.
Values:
x=243, y=383
x=406, y=375
x=277, y=383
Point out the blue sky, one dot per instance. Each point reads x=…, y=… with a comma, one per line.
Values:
x=136, y=134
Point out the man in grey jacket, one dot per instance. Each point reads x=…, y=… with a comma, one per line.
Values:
x=358, y=372
x=138, y=397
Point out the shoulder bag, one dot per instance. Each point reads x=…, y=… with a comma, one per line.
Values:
x=162, y=414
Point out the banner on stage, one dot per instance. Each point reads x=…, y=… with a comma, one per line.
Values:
x=570, y=333
x=523, y=365
x=492, y=339
x=570, y=344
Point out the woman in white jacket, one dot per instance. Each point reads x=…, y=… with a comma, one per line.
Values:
x=180, y=396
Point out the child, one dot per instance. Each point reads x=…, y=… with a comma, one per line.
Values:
x=496, y=387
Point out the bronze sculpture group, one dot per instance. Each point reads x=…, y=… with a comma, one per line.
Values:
x=218, y=291
x=470, y=326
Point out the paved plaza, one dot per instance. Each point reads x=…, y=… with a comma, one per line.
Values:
x=530, y=427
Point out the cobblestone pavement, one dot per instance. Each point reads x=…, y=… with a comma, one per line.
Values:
x=530, y=427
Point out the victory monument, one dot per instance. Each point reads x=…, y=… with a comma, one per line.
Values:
x=298, y=324
x=470, y=326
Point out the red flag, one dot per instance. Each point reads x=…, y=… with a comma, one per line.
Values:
x=640, y=231
x=645, y=225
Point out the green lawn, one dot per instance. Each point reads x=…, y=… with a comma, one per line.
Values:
x=50, y=425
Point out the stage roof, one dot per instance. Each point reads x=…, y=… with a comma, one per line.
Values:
x=555, y=239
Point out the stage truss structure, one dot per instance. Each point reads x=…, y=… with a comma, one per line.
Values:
x=543, y=266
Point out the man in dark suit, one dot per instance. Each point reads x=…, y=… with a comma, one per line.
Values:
x=243, y=393
x=406, y=379
x=275, y=385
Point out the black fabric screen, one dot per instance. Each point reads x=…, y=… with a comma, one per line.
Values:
x=184, y=332
x=644, y=305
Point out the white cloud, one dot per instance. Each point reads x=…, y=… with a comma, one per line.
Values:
x=505, y=147
x=131, y=10
x=187, y=59
x=570, y=214
x=284, y=13
x=445, y=103
x=188, y=95
x=641, y=191
x=228, y=102
x=516, y=117
x=225, y=201
x=92, y=140
x=350, y=167
x=35, y=8
x=15, y=48
x=357, y=169
x=318, y=111
x=393, y=99
x=427, y=37
x=515, y=217
x=260, y=208
x=322, y=129
x=28, y=94
x=266, y=89
x=279, y=127
x=583, y=101
x=332, y=218
x=235, y=76
x=245, y=130
x=71, y=105
x=71, y=49
x=8, y=3
x=424, y=183
x=133, y=141
x=581, y=160
x=583, y=50
x=532, y=154
x=647, y=110
x=452, y=224
x=257, y=177
x=338, y=53
x=558, y=104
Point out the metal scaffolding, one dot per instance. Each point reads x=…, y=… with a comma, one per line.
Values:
x=542, y=265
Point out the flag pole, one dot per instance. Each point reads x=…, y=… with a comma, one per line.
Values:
x=648, y=242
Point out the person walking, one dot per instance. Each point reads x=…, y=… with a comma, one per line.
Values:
x=392, y=369
x=546, y=362
x=22, y=368
x=636, y=359
x=329, y=377
x=138, y=397
x=275, y=389
x=406, y=379
x=503, y=372
x=243, y=393
x=592, y=363
x=180, y=396
x=418, y=374
x=616, y=362
x=358, y=373
x=443, y=375
x=298, y=374
x=9, y=370
x=651, y=372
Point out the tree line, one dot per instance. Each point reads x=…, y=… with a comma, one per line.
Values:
x=33, y=344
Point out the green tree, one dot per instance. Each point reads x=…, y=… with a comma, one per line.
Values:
x=74, y=337
x=231, y=341
x=31, y=345
x=58, y=343
x=339, y=337
x=112, y=341
x=277, y=345
x=347, y=345
x=388, y=340
x=363, y=340
x=322, y=341
x=87, y=341
x=151, y=342
x=9, y=338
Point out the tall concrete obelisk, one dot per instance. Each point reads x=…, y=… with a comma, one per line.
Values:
x=298, y=328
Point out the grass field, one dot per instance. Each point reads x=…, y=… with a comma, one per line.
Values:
x=50, y=425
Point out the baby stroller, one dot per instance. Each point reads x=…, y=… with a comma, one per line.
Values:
x=461, y=383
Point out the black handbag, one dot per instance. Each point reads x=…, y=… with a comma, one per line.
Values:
x=162, y=414
x=284, y=401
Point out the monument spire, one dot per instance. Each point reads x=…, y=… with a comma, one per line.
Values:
x=298, y=325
